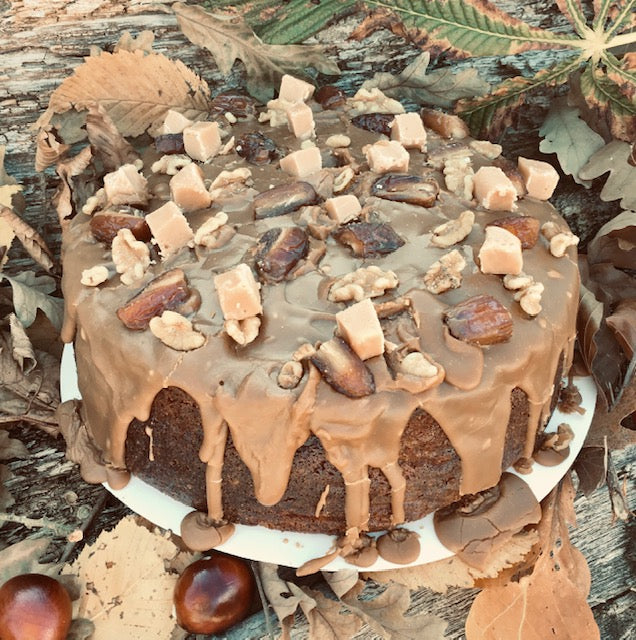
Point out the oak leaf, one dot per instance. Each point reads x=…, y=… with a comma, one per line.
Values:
x=615, y=241
x=327, y=619
x=125, y=589
x=549, y=602
x=135, y=89
x=228, y=38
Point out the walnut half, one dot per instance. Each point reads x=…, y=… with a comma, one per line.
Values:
x=453, y=231
x=131, y=256
x=176, y=331
x=445, y=273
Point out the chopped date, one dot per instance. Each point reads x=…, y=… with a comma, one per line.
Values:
x=169, y=143
x=279, y=251
x=402, y=187
x=239, y=105
x=330, y=97
x=375, y=122
x=369, y=238
x=257, y=148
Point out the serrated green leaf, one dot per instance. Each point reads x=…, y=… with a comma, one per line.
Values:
x=604, y=94
x=623, y=19
x=573, y=11
x=491, y=114
x=473, y=27
x=30, y=293
x=623, y=77
x=565, y=134
x=229, y=38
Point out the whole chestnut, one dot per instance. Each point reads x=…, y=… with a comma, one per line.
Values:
x=214, y=593
x=34, y=607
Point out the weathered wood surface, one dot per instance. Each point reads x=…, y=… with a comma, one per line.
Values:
x=40, y=45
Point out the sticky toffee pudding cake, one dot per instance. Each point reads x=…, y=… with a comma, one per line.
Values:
x=320, y=315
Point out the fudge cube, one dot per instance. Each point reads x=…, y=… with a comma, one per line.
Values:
x=494, y=190
x=408, y=129
x=302, y=163
x=295, y=90
x=188, y=190
x=174, y=122
x=343, y=208
x=126, y=186
x=202, y=140
x=170, y=229
x=540, y=177
x=360, y=327
x=300, y=119
x=501, y=252
x=387, y=155
x=238, y=292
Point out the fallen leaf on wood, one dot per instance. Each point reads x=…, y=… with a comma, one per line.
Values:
x=21, y=347
x=30, y=293
x=67, y=170
x=450, y=572
x=387, y=615
x=341, y=582
x=567, y=135
x=126, y=590
x=107, y=142
x=228, y=38
x=615, y=241
x=590, y=468
x=327, y=619
x=135, y=89
x=24, y=557
x=623, y=324
x=614, y=157
x=11, y=448
x=618, y=492
x=440, y=87
x=551, y=601
x=49, y=149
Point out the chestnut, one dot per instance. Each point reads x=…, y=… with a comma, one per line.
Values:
x=34, y=607
x=213, y=594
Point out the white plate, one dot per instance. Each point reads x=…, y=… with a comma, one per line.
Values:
x=293, y=549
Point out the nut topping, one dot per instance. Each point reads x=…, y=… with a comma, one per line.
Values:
x=342, y=369
x=243, y=331
x=560, y=239
x=283, y=199
x=176, y=331
x=256, y=148
x=365, y=282
x=445, y=273
x=278, y=251
x=526, y=228
x=453, y=231
x=94, y=276
x=166, y=292
x=131, y=256
x=480, y=320
x=369, y=238
x=290, y=374
x=105, y=225
x=446, y=124
x=209, y=233
x=400, y=187
x=343, y=180
x=527, y=292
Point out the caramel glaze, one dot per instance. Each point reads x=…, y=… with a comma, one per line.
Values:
x=121, y=371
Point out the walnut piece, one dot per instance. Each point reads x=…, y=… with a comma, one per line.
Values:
x=458, y=174
x=560, y=239
x=131, y=256
x=94, y=276
x=516, y=282
x=338, y=140
x=365, y=282
x=243, y=331
x=207, y=235
x=453, y=231
x=486, y=148
x=343, y=179
x=95, y=202
x=225, y=178
x=417, y=364
x=176, y=331
x=445, y=273
x=374, y=101
x=527, y=292
x=170, y=164
x=290, y=374
x=306, y=350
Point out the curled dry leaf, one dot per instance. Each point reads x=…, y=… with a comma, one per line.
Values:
x=135, y=89
x=615, y=241
x=67, y=170
x=49, y=149
x=31, y=240
x=550, y=601
x=623, y=324
x=21, y=347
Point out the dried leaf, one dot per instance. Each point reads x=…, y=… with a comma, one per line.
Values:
x=135, y=89
x=31, y=240
x=341, y=582
x=30, y=293
x=21, y=347
x=549, y=602
x=441, y=575
x=327, y=619
x=49, y=149
x=11, y=447
x=106, y=140
x=120, y=602
x=385, y=615
x=618, y=492
x=565, y=134
x=590, y=468
x=441, y=87
x=6, y=499
x=23, y=557
x=623, y=324
x=7, y=235
x=615, y=241
x=621, y=183
x=5, y=178
x=67, y=170
x=228, y=38
x=283, y=596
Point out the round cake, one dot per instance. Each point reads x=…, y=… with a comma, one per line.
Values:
x=323, y=314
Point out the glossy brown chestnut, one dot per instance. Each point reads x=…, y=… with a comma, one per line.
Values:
x=34, y=607
x=214, y=593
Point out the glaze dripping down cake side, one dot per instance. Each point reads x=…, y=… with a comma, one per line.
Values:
x=318, y=319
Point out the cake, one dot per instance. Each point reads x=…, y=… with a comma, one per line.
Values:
x=324, y=314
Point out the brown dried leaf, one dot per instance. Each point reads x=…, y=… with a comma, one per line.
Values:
x=6, y=499
x=621, y=183
x=283, y=596
x=341, y=582
x=106, y=140
x=67, y=170
x=385, y=614
x=135, y=89
x=590, y=468
x=441, y=575
x=11, y=447
x=615, y=241
x=49, y=149
x=119, y=600
x=549, y=602
x=623, y=324
x=21, y=347
x=23, y=557
x=31, y=240
x=228, y=38
x=327, y=619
